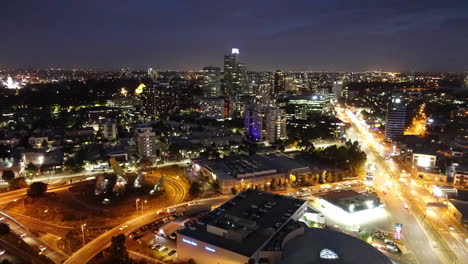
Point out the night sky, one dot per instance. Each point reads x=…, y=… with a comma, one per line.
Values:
x=349, y=35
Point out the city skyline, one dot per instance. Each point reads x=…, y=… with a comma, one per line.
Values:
x=331, y=36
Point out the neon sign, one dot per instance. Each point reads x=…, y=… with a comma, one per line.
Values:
x=210, y=249
x=189, y=242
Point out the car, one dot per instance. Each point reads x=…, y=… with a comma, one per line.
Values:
x=172, y=252
x=42, y=248
x=23, y=235
x=160, y=212
x=2, y=218
x=192, y=204
x=2, y=252
x=405, y=205
x=136, y=238
x=162, y=248
x=123, y=227
x=171, y=210
x=451, y=228
x=165, y=249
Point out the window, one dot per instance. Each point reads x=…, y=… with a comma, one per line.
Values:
x=328, y=254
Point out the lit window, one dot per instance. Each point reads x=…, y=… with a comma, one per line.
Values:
x=328, y=254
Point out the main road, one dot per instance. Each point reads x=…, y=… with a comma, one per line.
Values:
x=420, y=238
x=178, y=193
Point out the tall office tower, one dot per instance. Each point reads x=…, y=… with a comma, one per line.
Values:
x=211, y=81
x=396, y=117
x=235, y=74
x=275, y=124
x=153, y=75
x=337, y=89
x=278, y=85
x=146, y=140
x=161, y=98
x=253, y=123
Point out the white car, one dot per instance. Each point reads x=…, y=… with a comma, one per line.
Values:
x=192, y=203
x=451, y=228
x=123, y=227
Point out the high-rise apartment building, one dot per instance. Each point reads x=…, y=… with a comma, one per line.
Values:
x=275, y=124
x=395, y=119
x=146, y=140
x=253, y=123
x=215, y=108
x=211, y=81
x=264, y=123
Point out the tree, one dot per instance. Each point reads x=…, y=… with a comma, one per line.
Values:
x=45, y=144
x=37, y=189
x=145, y=162
x=18, y=183
x=8, y=175
x=273, y=184
x=117, y=249
x=4, y=229
x=74, y=165
x=234, y=190
x=30, y=169
x=195, y=189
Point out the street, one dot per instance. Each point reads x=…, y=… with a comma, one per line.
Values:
x=422, y=237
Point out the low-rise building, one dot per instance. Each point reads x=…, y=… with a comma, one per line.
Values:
x=266, y=228
x=248, y=171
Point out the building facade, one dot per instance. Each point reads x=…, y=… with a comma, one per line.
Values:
x=146, y=142
x=211, y=81
x=395, y=118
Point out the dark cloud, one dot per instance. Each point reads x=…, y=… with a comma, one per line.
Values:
x=186, y=34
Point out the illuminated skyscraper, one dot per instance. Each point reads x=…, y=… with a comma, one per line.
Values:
x=235, y=74
x=396, y=117
x=211, y=81
x=337, y=89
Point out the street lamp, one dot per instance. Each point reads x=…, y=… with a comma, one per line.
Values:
x=142, y=206
x=136, y=205
x=82, y=232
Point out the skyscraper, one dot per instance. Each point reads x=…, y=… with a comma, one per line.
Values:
x=396, y=117
x=211, y=81
x=235, y=79
x=278, y=85
x=337, y=89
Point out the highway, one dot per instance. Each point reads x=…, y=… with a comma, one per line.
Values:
x=31, y=240
x=419, y=234
x=91, y=249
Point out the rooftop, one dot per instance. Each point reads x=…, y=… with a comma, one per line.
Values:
x=241, y=166
x=351, y=201
x=245, y=223
x=319, y=245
